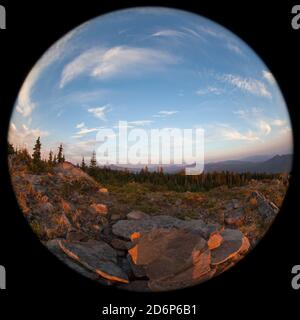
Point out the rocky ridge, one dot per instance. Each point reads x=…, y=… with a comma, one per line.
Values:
x=70, y=212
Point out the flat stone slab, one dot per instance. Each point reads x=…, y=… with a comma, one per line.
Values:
x=125, y=228
x=53, y=246
x=95, y=256
x=172, y=257
x=182, y=280
x=233, y=241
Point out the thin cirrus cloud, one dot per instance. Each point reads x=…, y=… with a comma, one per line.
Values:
x=99, y=112
x=255, y=117
x=230, y=44
x=165, y=113
x=131, y=124
x=249, y=85
x=209, y=90
x=226, y=132
x=80, y=125
x=168, y=33
x=83, y=130
x=140, y=122
x=184, y=33
x=25, y=103
x=104, y=63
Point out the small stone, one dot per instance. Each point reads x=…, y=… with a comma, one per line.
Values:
x=137, y=215
x=99, y=208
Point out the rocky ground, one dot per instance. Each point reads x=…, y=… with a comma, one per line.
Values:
x=183, y=240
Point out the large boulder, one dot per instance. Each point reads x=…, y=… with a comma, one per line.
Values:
x=171, y=257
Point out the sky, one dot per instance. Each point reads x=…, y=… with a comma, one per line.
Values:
x=154, y=68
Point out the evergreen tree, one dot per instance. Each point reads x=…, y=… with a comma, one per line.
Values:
x=83, y=165
x=50, y=159
x=60, y=156
x=93, y=163
x=37, y=151
x=55, y=159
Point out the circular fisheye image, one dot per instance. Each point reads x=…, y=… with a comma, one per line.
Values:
x=150, y=149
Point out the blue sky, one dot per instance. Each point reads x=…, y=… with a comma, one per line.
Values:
x=154, y=68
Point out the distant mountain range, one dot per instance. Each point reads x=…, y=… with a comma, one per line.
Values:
x=258, y=164
x=276, y=164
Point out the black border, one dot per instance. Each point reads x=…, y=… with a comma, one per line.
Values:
x=263, y=274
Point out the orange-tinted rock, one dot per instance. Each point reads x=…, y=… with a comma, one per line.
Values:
x=233, y=241
x=172, y=256
x=66, y=206
x=103, y=190
x=134, y=236
x=214, y=241
x=99, y=208
x=22, y=200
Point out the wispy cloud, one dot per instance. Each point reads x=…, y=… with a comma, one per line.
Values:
x=83, y=130
x=226, y=132
x=165, y=113
x=80, y=125
x=132, y=124
x=140, y=122
x=25, y=103
x=228, y=41
x=99, y=112
x=250, y=85
x=255, y=117
x=168, y=33
x=104, y=63
x=209, y=90
x=264, y=127
x=279, y=123
x=234, y=47
x=269, y=76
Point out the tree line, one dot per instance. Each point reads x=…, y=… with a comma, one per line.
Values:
x=105, y=175
x=176, y=181
x=34, y=161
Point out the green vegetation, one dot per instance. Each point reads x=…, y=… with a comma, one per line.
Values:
x=178, y=182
